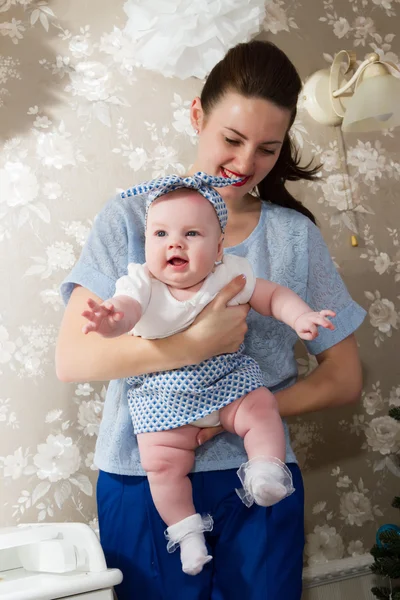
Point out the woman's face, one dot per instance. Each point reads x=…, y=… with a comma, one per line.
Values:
x=240, y=137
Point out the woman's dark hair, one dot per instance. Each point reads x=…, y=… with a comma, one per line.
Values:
x=261, y=70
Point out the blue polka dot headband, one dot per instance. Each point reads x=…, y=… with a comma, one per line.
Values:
x=201, y=182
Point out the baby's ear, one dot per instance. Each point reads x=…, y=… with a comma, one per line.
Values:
x=220, y=247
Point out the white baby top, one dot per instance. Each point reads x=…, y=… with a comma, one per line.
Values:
x=162, y=314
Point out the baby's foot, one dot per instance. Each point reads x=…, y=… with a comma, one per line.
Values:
x=265, y=481
x=194, y=553
x=188, y=534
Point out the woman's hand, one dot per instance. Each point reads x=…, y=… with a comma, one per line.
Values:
x=220, y=329
x=207, y=433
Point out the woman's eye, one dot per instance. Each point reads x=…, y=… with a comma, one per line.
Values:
x=192, y=233
x=161, y=233
x=232, y=142
x=265, y=151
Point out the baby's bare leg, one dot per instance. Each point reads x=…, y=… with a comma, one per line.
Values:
x=255, y=417
x=265, y=477
x=168, y=457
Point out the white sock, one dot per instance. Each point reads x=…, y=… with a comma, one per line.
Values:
x=266, y=481
x=188, y=533
x=194, y=553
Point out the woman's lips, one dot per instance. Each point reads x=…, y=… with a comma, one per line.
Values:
x=239, y=183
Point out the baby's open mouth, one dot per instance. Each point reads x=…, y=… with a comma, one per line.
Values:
x=176, y=261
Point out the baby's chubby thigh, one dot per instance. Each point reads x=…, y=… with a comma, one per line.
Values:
x=249, y=410
x=170, y=453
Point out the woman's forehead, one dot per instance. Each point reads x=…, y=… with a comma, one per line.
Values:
x=238, y=112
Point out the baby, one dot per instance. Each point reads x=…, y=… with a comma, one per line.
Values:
x=185, y=268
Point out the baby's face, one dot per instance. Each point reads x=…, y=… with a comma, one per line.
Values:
x=183, y=238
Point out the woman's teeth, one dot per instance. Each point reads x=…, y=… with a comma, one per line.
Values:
x=232, y=175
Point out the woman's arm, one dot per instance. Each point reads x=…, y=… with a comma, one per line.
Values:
x=217, y=330
x=336, y=381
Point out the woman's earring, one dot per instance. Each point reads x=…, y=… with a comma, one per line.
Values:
x=217, y=263
x=196, y=131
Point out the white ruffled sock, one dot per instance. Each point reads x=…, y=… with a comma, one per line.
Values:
x=265, y=481
x=188, y=534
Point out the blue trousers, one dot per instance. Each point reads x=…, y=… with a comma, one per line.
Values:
x=257, y=552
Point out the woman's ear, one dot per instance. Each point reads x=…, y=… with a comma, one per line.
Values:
x=196, y=114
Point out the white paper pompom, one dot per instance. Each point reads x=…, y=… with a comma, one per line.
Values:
x=186, y=38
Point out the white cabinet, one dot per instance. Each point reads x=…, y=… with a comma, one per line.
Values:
x=51, y=561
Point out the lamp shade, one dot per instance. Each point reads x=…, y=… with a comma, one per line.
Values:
x=375, y=105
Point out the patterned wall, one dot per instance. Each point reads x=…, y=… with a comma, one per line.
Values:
x=79, y=121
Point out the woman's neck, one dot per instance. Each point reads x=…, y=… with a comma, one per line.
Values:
x=247, y=204
x=243, y=218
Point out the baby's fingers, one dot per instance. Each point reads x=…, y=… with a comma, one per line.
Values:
x=88, y=327
x=88, y=314
x=327, y=324
x=108, y=306
x=327, y=313
x=308, y=332
x=93, y=304
x=323, y=321
x=114, y=317
x=306, y=335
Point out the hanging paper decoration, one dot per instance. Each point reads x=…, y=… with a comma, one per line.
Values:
x=186, y=38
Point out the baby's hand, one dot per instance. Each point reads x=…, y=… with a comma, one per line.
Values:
x=102, y=318
x=306, y=326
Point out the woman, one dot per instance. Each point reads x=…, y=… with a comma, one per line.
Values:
x=243, y=117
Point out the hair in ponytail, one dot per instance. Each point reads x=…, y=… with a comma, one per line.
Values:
x=272, y=188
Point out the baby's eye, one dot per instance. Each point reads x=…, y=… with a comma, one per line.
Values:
x=192, y=233
x=161, y=233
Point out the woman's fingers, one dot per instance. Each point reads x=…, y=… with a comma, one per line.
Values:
x=230, y=291
x=207, y=433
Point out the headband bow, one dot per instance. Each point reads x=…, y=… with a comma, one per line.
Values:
x=201, y=182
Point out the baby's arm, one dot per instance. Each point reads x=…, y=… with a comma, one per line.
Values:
x=113, y=317
x=271, y=299
x=119, y=314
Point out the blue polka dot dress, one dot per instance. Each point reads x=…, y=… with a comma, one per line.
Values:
x=166, y=400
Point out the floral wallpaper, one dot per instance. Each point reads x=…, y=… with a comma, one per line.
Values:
x=80, y=121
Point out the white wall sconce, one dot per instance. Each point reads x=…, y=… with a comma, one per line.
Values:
x=373, y=104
